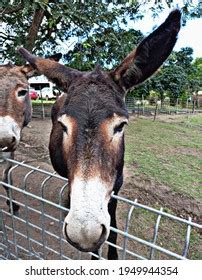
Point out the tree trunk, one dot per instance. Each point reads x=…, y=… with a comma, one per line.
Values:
x=34, y=28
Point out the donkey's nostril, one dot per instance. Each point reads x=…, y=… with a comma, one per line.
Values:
x=13, y=139
x=65, y=230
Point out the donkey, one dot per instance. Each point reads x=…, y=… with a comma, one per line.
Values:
x=15, y=112
x=87, y=137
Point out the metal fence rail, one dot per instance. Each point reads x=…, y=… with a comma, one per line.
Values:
x=36, y=232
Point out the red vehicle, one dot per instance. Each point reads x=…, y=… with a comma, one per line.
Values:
x=33, y=95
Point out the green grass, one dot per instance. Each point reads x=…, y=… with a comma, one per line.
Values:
x=45, y=102
x=171, y=235
x=169, y=153
x=194, y=120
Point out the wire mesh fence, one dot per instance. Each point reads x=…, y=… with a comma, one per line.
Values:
x=143, y=106
x=36, y=232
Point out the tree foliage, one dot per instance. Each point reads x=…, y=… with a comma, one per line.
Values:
x=106, y=48
x=198, y=70
x=98, y=33
x=42, y=25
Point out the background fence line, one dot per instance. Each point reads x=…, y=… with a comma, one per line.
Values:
x=143, y=106
x=139, y=106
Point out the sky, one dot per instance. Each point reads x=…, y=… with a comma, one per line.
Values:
x=189, y=35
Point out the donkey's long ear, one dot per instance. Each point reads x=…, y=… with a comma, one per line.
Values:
x=142, y=62
x=58, y=73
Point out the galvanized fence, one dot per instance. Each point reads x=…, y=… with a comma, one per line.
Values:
x=36, y=232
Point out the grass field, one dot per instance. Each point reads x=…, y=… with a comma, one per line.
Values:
x=168, y=152
x=45, y=102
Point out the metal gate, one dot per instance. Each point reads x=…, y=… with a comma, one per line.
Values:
x=36, y=232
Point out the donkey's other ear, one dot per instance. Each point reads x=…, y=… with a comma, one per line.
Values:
x=56, y=72
x=28, y=70
x=142, y=62
x=56, y=56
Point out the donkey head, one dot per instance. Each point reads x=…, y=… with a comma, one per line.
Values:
x=15, y=106
x=87, y=138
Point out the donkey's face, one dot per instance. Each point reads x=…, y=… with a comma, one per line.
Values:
x=15, y=107
x=87, y=146
x=86, y=143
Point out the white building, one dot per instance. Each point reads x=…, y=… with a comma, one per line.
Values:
x=42, y=86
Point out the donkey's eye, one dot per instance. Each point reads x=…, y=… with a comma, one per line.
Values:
x=22, y=93
x=64, y=128
x=119, y=128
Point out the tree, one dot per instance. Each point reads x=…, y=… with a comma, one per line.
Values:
x=42, y=25
x=197, y=64
x=102, y=48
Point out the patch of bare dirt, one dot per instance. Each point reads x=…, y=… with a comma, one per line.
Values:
x=185, y=151
x=173, y=118
x=167, y=118
x=35, y=141
x=150, y=193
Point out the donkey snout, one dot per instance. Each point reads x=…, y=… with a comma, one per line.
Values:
x=9, y=134
x=87, y=236
x=7, y=142
x=87, y=224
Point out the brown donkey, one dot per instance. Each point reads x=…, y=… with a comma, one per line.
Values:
x=15, y=111
x=87, y=138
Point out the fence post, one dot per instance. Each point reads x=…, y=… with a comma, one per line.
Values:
x=142, y=104
x=177, y=106
x=193, y=107
x=187, y=105
x=155, y=112
x=42, y=105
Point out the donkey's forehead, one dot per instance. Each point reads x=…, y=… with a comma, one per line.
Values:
x=11, y=79
x=12, y=74
x=92, y=106
x=94, y=91
x=95, y=81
